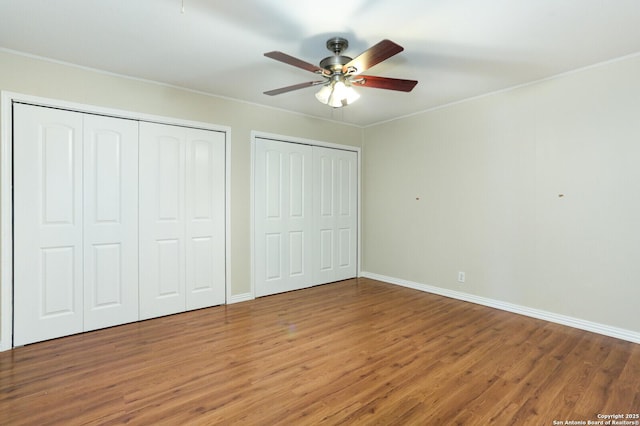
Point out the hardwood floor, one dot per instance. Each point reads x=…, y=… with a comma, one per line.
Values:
x=354, y=352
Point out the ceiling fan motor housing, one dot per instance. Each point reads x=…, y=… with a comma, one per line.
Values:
x=334, y=63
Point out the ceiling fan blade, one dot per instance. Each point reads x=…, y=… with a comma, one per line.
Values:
x=294, y=87
x=372, y=56
x=288, y=59
x=385, y=83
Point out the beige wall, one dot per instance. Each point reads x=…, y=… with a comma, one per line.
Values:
x=489, y=174
x=35, y=77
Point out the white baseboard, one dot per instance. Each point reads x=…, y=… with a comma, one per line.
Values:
x=619, y=333
x=237, y=298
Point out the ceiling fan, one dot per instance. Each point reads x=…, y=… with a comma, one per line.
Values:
x=342, y=73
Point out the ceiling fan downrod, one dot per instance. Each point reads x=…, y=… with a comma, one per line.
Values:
x=334, y=63
x=337, y=45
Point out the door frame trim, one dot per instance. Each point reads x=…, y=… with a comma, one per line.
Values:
x=7, y=99
x=303, y=141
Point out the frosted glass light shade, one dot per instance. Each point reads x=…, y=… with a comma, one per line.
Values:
x=324, y=93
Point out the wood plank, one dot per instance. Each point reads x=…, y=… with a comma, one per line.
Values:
x=353, y=352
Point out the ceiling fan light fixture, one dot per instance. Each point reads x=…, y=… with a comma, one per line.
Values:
x=337, y=94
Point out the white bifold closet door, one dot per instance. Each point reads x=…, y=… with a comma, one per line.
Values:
x=182, y=222
x=75, y=222
x=335, y=206
x=110, y=221
x=283, y=216
x=305, y=217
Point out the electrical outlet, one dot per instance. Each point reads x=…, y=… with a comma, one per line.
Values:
x=460, y=277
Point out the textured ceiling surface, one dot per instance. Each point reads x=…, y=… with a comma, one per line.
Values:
x=456, y=49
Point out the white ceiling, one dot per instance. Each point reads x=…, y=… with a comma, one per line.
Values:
x=456, y=49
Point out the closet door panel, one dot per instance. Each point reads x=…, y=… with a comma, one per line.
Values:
x=335, y=214
x=110, y=221
x=283, y=216
x=325, y=186
x=162, y=219
x=48, y=257
x=347, y=214
x=205, y=218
